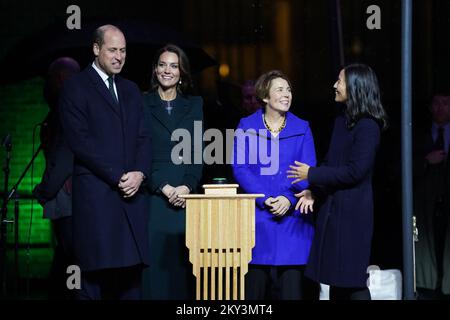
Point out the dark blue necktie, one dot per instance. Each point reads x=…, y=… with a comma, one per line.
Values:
x=111, y=89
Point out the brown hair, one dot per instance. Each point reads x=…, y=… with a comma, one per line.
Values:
x=264, y=82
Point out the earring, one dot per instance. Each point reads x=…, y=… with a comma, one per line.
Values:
x=179, y=82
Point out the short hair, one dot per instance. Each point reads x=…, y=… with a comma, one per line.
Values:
x=363, y=95
x=183, y=63
x=248, y=83
x=98, y=36
x=63, y=64
x=264, y=82
x=437, y=96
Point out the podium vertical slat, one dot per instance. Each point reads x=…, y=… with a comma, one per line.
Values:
x=223, y=207
x=244, y=244
x=236, y=237
x=214, y=243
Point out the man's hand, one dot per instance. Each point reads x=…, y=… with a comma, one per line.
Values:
x=435, y=157
x=167, y=190
x=130, y=182
x=279, y=205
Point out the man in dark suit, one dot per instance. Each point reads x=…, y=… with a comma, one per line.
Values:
x=432, y=203
x=54, y=190
x=102, y=117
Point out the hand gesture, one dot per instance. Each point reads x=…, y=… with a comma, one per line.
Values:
x=306, y=202
x=299, y=172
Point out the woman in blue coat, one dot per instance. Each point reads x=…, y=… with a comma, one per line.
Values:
x=266, y=143
x=340, y=251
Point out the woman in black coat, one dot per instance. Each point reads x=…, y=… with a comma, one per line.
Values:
x=340, y=251
x=170, y=108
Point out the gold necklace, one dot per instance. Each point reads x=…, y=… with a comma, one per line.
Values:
x=283, y=124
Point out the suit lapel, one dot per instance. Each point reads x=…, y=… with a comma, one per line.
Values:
x=158, y=112
x=122, y=93
x=180, y=110
x=170, y=122
x=101, y=88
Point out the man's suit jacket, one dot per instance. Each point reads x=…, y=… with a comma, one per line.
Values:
x=431, y=182
x=107, y=140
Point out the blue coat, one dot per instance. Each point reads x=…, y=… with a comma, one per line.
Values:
x=341, y=248
x=279, y=240
x=107, y=140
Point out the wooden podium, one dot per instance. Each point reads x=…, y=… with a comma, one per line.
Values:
x=220, y=235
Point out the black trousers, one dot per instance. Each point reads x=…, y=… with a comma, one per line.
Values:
x=264, y=282
x=62, y=258
x=440, y=221
x=339, y=293
x=111, y=284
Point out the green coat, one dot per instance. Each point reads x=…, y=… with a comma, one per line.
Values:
x=170, y=273
x=429, y=179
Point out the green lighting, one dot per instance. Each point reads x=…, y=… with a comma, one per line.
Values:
x=22, y=107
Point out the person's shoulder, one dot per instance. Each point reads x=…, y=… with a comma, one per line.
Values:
x=297, y=121
x=368, y=122
x=128, y=84
x=367, y=127
x=194, y=101
x=76, y=85
x=77, y=79
x=250, y=120
x=150, y=95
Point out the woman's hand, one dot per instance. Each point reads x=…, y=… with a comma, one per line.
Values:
x=175, y=200
x=306, y=201
x=299, y=172
x=168, y=190
x=278, y=206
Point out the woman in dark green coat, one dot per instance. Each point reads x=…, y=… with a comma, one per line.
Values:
x=171, y=113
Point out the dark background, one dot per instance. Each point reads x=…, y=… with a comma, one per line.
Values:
x=297, y=37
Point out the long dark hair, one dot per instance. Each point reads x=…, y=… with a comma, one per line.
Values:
x=363, y=96
x=185, y=69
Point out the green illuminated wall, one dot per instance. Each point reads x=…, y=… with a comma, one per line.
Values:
x=21, y=108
